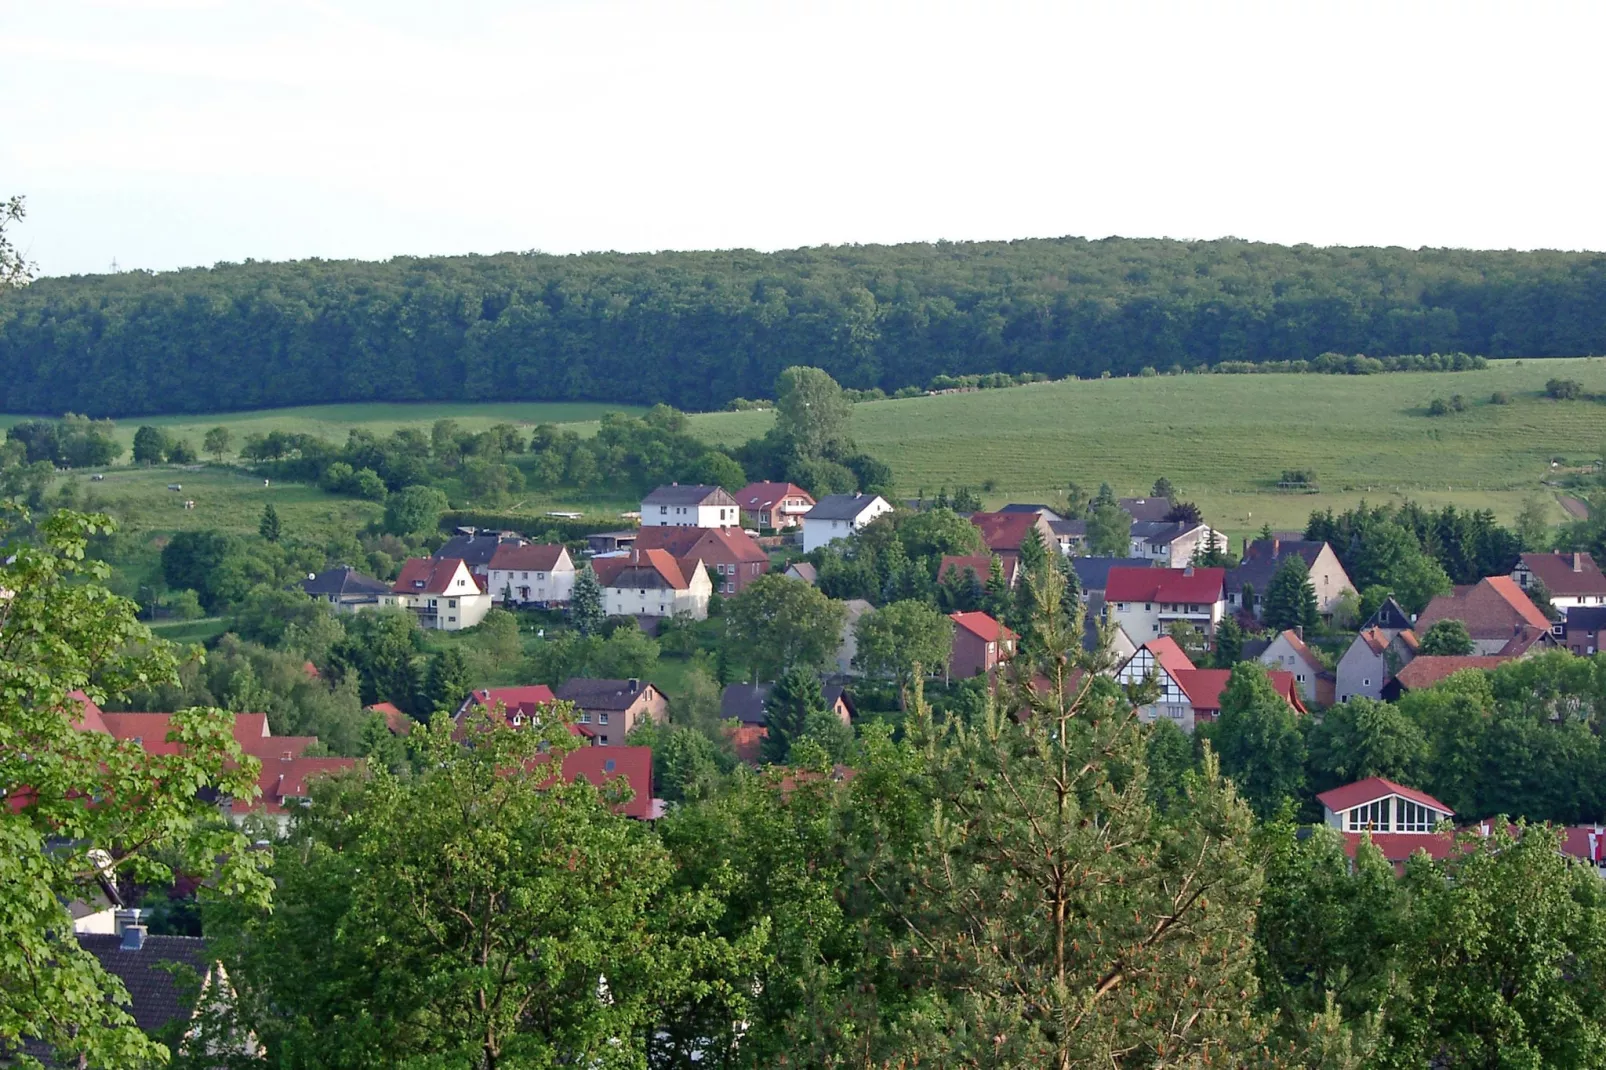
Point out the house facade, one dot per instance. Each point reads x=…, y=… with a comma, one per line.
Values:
x=690, y=506
x=1188, y=695
x=610, y=709
x=651, y=583
x=1288, y=652
x=730, y=556
x=1399, y=820
x=836, y=516
x=475, y=547
x=1263, y=557
x=1144, y=601
x=1003, y=533
x=530, y=574
x=345, y=590
x=981, y=644
x=1584, y=632
x=1572, y=579
x=1171, y=544
x=741, y=707
x=442, y=593
x=773, y=506
x=1371, y=661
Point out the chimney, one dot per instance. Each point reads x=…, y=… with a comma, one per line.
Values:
x=1578, y=562
x=124, y=917
x=132, y=932
x=1299, y=632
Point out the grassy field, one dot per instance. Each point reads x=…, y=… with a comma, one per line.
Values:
x=1224, y=440
x=333, y=422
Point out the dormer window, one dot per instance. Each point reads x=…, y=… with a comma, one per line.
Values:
x=1373, y=817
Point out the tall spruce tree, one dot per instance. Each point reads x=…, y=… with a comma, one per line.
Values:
x=1028, y=890
x=587, y=611
x=1291, y=597
x=794, y=701
x=268, y=527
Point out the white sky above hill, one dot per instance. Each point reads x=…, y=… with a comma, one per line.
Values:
x=168, y=133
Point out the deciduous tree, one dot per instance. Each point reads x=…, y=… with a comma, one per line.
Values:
x=777, y=623
x=1446, y=637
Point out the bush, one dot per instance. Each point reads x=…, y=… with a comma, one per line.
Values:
x=1500, y=397
x=1439, y=407
x=1458, y=403
x=1565, y=389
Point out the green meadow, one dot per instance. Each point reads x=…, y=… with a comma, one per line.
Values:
x=1222, y=439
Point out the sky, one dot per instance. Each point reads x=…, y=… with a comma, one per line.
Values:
x=159, y=134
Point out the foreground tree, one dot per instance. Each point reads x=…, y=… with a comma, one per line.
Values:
x=58, y=635
x=1036, y=910
x=904, y=641
x=1446, y=638
x=477, y=914
x=14, y=267
x=1259, y=740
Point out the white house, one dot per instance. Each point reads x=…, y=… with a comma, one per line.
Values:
x=442, y=592
x=1171, y=544
x=690, y=506
x=836, y=516
x=1572, y=579
x=651, y=583
x=345, y=590
x=1288, y=652
x=530, y=574
x=1145, y=601
x=1382, y=806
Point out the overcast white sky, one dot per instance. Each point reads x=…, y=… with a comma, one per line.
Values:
x=167, y=133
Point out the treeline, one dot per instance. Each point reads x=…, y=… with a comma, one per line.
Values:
x=700, y=329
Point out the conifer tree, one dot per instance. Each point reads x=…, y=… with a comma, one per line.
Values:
x=586, y=609
x=269, y=526
x=1291, y=597
x=794, y=702
x=996, y=597
x=996, y=848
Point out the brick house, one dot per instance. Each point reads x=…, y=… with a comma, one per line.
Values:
x=611, y=708
x=1494, y=610
x=980, y=564
x=1572, y=579
x=981, y=644
x=730, y=555
x=1263, y=557
x=1585, y=629
x=776, y=506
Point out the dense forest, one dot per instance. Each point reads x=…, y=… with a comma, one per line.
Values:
x=700, y=329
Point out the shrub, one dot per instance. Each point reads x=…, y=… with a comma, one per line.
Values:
x=1458, y=403
x=1439, y=407
x=1500, y=397
x=1565, y=389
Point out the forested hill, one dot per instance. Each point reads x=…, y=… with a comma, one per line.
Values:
x=698, y=329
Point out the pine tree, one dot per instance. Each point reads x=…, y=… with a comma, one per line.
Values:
x=587, y=611
x=1229, y=642
x=996, y=596
x=792, y=701
x=1291, y=597
x=999, y=846
x=269, y=527
x=447, y=683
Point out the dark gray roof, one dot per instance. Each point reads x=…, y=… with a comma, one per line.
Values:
x=1068, y=527
x=745, y=702
x=1093, y=572
x=689, y=494
x=601, y=694
x=1140, y=509
x=476, y=550
x=344, y=582
x=156, y=996
x=840, y=507
x=1041, y=510
x=1588, y=618
x=1263, y=557
x=1390, y=616
x=1253, y=648
x=1160, y=532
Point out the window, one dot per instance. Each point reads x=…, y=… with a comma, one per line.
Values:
x=524, y=575
x=663, y=510
x=602, y=741
x=451, y=603
x=540, y=575
x=1366, y=682
x=1414, y=817
x=585, y=717
x=1374, y=816
x=602, y=718
x=1147, y=606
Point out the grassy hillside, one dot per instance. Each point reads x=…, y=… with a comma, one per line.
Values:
x=1224, y=439
x=333, y=422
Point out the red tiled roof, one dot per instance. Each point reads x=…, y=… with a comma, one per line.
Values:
x=1429, y=669
x=1204, y=687
x=611, y=571
x=1171, y=585
x=690, y=545
x=1301, y=649
x=1397, y=847
x=1567, y=575
x=980, y=564
x=531, y=557
x=432, y=575
x=602, y=765
x=88, y=715
x=1490, y=608
x=764, y=495
x=1370, y=790
x=151, y=730
x=1005, y=531
x=1169, y=655
x=395, y=719
x=1587, y=842
x=514, y=700
x=982, y=626
x=283, y=779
